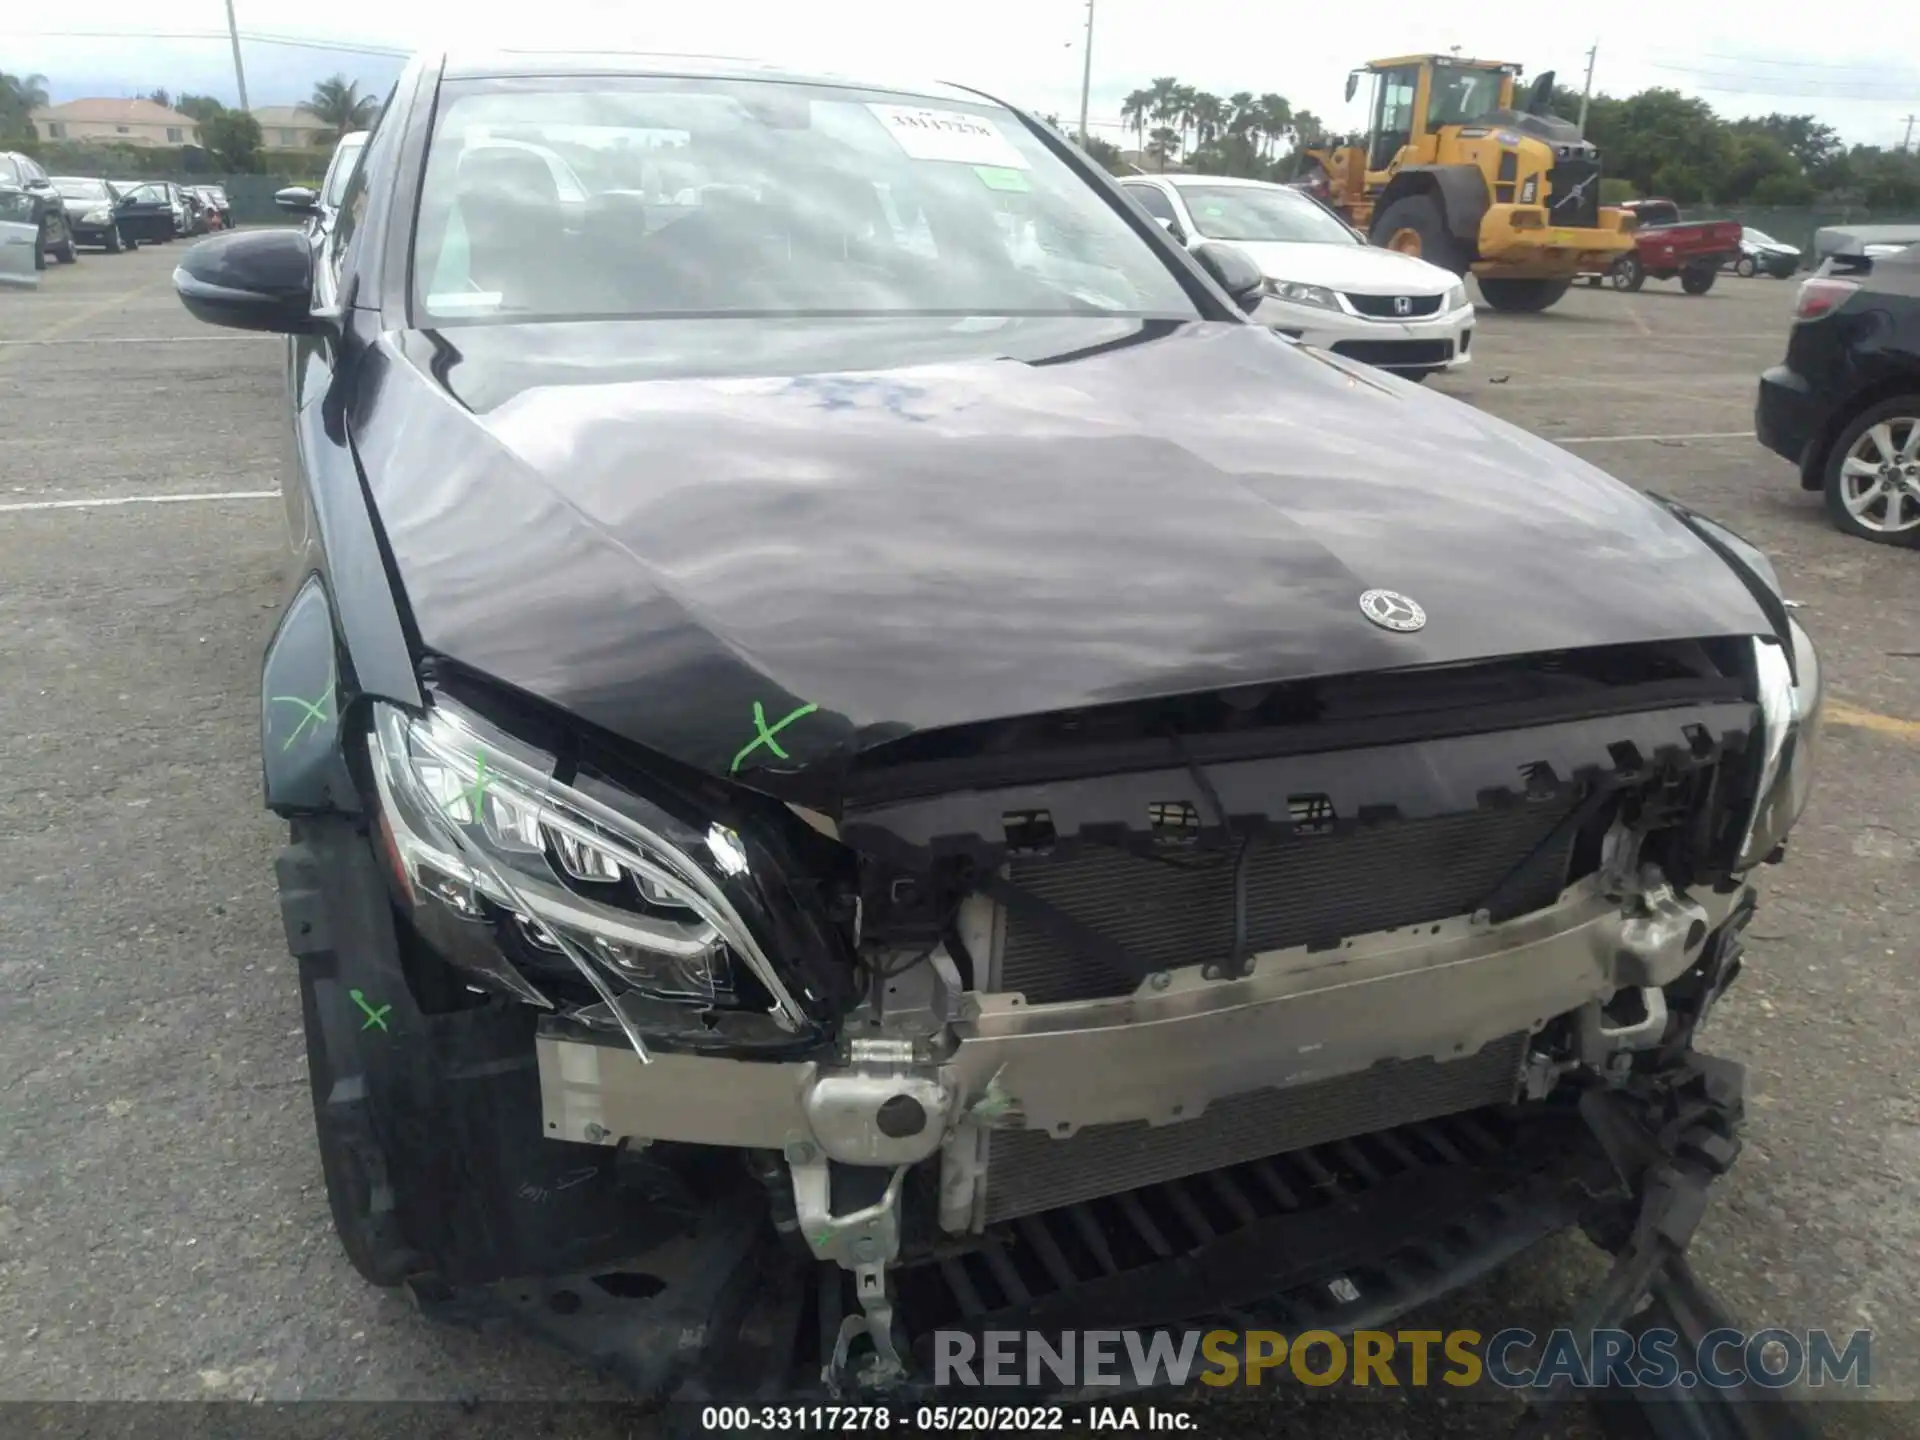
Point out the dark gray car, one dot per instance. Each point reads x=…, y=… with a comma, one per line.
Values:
x=868, y=757
x=93, y=211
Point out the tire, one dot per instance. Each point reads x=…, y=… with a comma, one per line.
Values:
x=1420, y=226
x=1699, y=280
x=1865, y=442
x=1627, y=273
x=40, y=248
x=1522, y=297
x=1418, y=376
x=114, y=243
x=64, y=251
x=1744, y=267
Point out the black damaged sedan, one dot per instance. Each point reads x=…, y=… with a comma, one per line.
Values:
x=865, y=755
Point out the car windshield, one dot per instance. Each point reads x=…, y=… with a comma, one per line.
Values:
x=1257, y=212
x=657, y=196
x=72, y=189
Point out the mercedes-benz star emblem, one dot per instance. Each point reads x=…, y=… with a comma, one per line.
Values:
x=1391, y=610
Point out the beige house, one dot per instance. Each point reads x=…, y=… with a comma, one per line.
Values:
x=291, y=127
x=126, y=122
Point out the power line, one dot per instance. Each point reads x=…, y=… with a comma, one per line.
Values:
x=1866, y=65
x=251, y=36
x=1787, y=89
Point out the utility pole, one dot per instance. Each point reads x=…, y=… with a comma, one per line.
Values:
x=1586, y=91
x=1907, y=144
x=239, y=70
x=1086, y=75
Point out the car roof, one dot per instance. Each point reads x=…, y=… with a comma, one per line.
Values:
x=1239, y=181
x=527, y=63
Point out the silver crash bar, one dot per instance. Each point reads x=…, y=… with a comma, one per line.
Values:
x=1437, y=991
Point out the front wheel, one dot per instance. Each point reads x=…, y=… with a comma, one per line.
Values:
x=1697, y=281
x=1416, y=225
x=40, y=248
x=1627, y=273
x=1524, y=297
x=1744, y=267
x=1873, y=474
x=114, y=246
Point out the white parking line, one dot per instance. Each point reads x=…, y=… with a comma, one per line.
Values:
x=148, y=340
x=1624, y=439
x=138, y=500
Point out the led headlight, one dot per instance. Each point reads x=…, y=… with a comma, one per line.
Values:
x=631, y=896
x=1790, y=708
x=1316, y=295
x=1456, y=297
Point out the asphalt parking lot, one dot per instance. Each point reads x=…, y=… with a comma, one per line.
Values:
x=163, y=1227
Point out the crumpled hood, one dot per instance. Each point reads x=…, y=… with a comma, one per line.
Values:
x=744, y=569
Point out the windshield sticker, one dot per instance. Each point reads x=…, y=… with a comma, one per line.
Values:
x=996, y=177
x=948, y=135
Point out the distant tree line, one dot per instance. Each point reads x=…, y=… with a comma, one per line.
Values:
x=1656, y=142
x=1666, y=143
x=231, y=138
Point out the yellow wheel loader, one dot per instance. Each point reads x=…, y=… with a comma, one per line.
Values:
x=1453, y=173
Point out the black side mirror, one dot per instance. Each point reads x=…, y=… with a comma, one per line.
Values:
x=1172, y=227
x=1353, y=83
x=297, y=200
x=251, y=280
x=1234, y=272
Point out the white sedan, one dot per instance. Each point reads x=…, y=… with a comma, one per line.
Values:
x=1326, y=286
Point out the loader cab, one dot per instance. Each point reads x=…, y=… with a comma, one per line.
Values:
x=1416, y=96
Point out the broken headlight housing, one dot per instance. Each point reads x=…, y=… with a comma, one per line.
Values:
x=1790, y=708
x=632, y=897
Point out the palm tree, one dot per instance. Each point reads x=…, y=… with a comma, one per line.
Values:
x=338, y=104
x=1209, y=117
x=1240, y=112
x=1276, y=117
x=20, y=96
x=1162, y=145
x=1133, y=111
x=1164, y=100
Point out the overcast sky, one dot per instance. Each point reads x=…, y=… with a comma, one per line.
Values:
x=1743, y=59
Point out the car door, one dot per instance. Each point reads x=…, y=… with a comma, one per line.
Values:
x=18, y=234
x=146, y=214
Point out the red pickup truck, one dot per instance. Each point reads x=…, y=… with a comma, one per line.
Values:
x=1664, y=246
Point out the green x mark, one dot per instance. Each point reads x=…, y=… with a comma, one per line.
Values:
x=374, y=1017
x=316, y=712
x=765, y=734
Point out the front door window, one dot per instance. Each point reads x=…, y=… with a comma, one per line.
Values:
x=1392, y=115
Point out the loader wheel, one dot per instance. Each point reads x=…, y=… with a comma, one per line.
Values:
x=1627, y=273
x=1697, y=281
x=1522, y=296
x=1415, y=225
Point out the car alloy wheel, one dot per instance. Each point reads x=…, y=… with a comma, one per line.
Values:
x=1877, y=483
x=1744, y=267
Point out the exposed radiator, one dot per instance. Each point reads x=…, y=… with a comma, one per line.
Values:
x=1028, y=1171
x=1302, y=889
